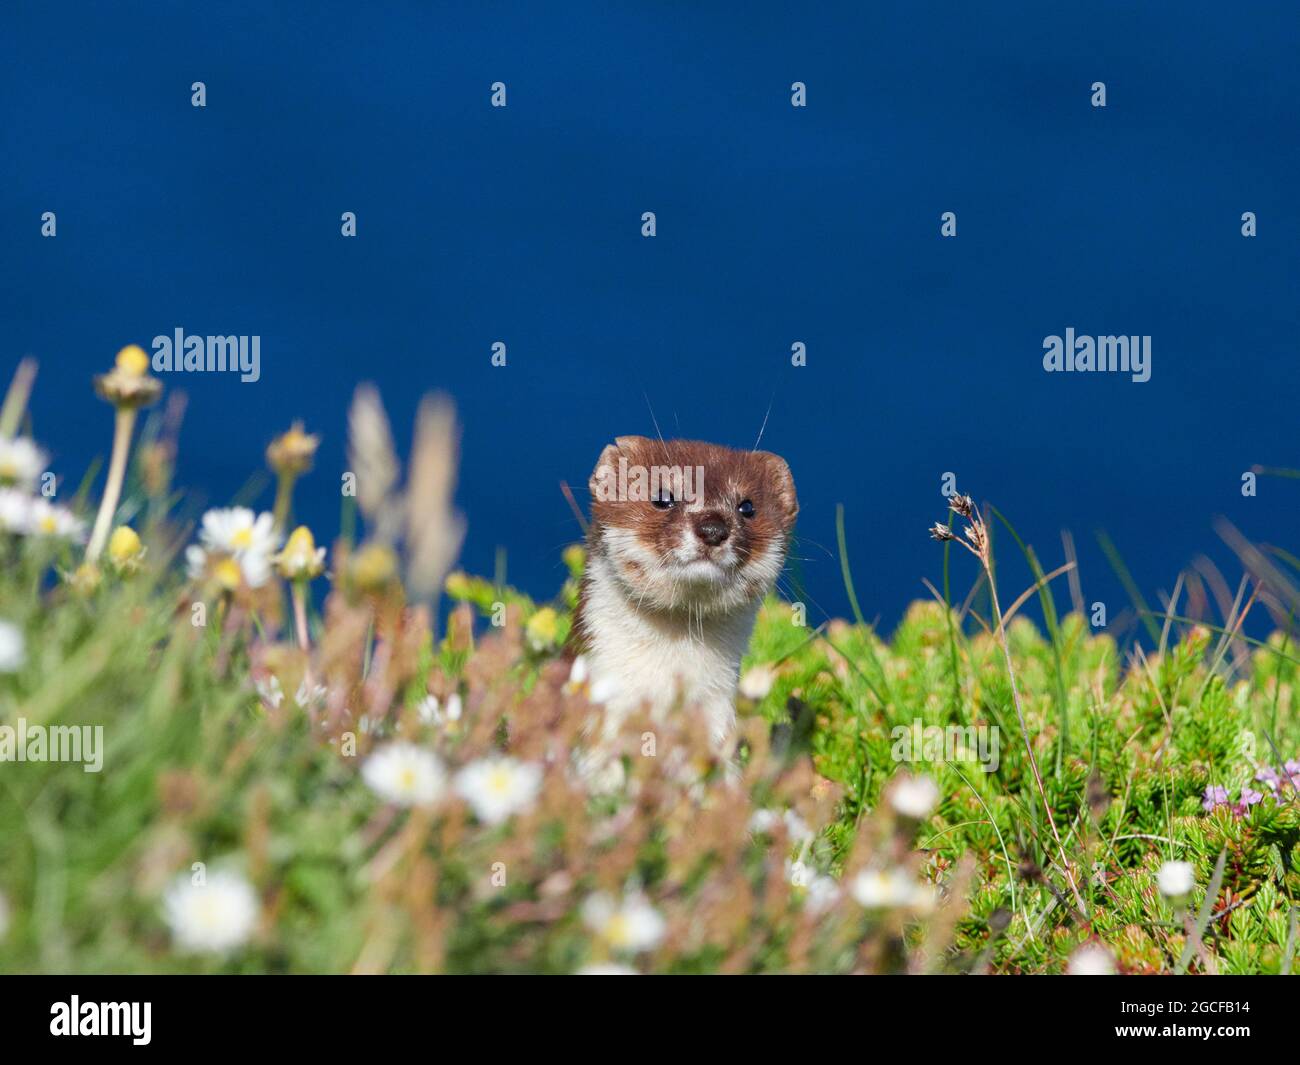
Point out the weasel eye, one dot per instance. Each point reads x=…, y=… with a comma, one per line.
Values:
x=664, y=501
x=746, y=509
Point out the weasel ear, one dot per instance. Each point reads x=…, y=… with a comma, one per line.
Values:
x=604, y=478
x=781, y=482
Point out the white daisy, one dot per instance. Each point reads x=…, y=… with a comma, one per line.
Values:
x=1091, y=959
x=498, y=787
x=13, y=648
x=432, y=712
x=817, y=891
x=876, y=889
x=14, y=506
x=606, y=968
x=270, y=692
x=307, y=697
x=765, y=821
x=21, y=462
x=211, y=918
x=629, y=924
x=405, y=774
x=252, y=568
x=237, y=531
x=757, y=682
x=49, y=519
x=1175, y=879
x=914, y=797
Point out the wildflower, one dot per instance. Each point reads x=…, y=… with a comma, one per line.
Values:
x=125, y=552
x=914, y=797
x=1175, y=879
x=941, y=532
x=13, y=647
x=21, y=462
x=85, y=579
x=49, y=519
x=300, y=559
x=311, y=695
x=291, y=453
x=1249, y=797
x=13, y=511
x=630, y=924
x=542, y=630
x=236, y=531
x=1290, y=775
x=757, y=681
x=458, y=585
x=431, y=711
x=373, y=567
x=764, y=821
x=575, y=558
x=405, y=774
x=1091, y=959
x=817, y=892
x=213, y=917
x=129, y=384
x=269, y=691
x=251, y=569
x=1215, y=795
x=876, y=889
x=499, y=787
x=606, y=968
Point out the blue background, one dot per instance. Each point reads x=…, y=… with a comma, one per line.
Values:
x=775, y=224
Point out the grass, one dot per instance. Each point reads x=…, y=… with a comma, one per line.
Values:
x=1072, y=768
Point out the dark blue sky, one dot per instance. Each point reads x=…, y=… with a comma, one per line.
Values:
x=775, y=224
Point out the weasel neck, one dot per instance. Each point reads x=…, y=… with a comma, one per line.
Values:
x=662, y=659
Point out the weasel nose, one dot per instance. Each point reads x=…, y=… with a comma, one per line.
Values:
x=712, y=529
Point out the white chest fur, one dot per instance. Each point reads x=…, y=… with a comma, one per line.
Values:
x=663, y=660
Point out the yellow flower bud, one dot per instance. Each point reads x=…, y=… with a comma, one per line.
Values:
x=374, y=567
x=132, y=360
x=301, y=559
x=129, y=384
x=543, y=629
x=125, y=550
x=575, y=558
x=457, y=585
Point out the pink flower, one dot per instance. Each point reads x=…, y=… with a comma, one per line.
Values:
x=1215, y=795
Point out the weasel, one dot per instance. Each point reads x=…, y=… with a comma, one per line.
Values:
x=685, y=540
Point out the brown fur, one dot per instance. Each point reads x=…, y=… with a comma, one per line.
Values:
x=730, y=476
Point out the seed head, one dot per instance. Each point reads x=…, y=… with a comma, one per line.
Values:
x=963, y=505
x=292, y=452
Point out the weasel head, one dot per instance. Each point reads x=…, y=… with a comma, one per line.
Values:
x=688, y=526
